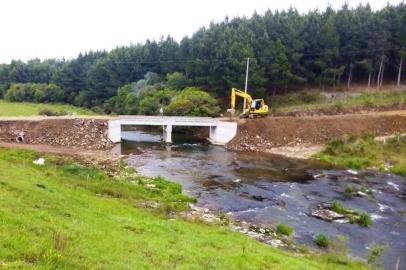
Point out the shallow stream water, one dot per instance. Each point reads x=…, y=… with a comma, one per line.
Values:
x=267, y=190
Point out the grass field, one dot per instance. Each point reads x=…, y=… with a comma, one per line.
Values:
x=362, y=152
x=313, y=100
x=28, y=109
x=66, y=216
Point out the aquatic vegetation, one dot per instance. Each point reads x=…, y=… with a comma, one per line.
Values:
x=364, y=220
x=375, y=251
x=361, y=218
x=322, y=240
x=349, y=189
x=284, y=229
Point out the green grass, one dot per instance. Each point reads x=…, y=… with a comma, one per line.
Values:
x=64, y=215
x=365, y=151
x=28, y=109
x=313, y=100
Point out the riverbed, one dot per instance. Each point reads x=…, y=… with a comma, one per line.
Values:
x=267, y=190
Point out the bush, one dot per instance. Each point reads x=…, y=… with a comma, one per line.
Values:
x=2, y=91
x=34, y=92
x=310, y=97
x=399, y=169
x=322, y=240
x=149, y=106
x=50, y=112
x=284, y=229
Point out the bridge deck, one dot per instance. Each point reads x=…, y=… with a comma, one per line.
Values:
x=168, y=120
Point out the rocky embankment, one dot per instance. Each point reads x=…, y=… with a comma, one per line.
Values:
x=83, y=133
x=267, y=134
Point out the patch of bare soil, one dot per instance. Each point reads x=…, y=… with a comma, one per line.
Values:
x=269, y=133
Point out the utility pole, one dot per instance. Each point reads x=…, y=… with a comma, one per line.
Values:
x=246, y=83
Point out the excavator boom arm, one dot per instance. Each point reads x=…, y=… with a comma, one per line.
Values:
x=235, y=92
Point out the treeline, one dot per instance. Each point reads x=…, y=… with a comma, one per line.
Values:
x=287, y=51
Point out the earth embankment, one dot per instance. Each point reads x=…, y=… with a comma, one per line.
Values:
x=82, y=133
x=265, y=134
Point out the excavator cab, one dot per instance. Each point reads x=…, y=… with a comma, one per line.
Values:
x=255, y=107
x=257, y=104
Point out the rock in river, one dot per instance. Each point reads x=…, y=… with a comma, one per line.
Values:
x=326, y=214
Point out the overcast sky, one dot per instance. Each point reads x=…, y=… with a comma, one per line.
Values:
x=63, y=28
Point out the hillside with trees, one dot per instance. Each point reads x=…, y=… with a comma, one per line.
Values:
x=288, y=51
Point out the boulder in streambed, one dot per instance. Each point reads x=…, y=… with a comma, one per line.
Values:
x=327, y=215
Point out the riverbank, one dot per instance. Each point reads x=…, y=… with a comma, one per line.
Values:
x=387, y=154
x=56, y=215
x=301, y=137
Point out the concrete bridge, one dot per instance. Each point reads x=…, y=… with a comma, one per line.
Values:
x=221, y=132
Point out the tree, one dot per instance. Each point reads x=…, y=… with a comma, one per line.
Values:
x=286, y=50
x=193, y=102
x=281, y=74
x=176, y=81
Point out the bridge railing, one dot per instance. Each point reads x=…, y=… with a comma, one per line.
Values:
x=168, y=120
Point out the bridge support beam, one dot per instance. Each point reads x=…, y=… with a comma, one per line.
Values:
x=223, y=132
x=167, y=133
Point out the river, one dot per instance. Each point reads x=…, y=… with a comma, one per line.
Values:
x=268, y=190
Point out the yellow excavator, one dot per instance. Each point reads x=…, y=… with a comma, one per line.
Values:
x=254, y=108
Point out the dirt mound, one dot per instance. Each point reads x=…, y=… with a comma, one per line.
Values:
x=80, y=133
x=263, y=134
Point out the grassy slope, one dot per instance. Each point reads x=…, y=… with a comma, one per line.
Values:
x=28, y=109
x=314, y=101
x=366, y=152
x=71, y=217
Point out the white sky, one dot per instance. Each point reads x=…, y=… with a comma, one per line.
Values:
x=63, y=28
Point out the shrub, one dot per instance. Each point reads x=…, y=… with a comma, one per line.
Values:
x=322, y=240
x=2, y=90
x=310, y=97
x=149, y=106
x=399, y=169
x=34, y=92
x=284, y=229
x=50, y=112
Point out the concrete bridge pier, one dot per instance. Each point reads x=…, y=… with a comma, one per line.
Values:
x=167, y=133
